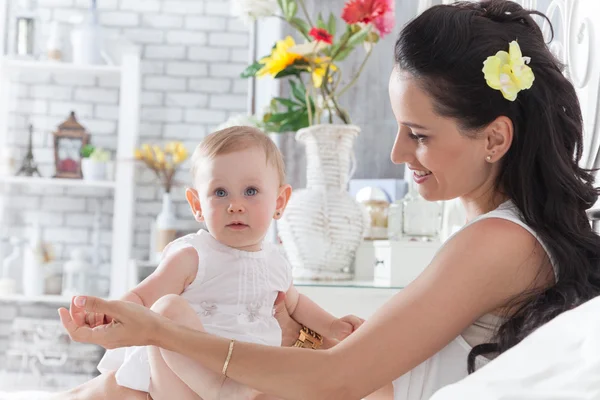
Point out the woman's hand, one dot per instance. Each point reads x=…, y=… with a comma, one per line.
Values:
x=131, y=324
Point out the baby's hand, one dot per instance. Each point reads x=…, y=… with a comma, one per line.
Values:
x=341, y=328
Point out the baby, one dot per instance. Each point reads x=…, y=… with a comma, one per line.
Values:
x=228, y=275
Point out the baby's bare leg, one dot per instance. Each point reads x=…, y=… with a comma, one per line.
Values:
x=201, y=380
x=102, y=387
x=164, y=383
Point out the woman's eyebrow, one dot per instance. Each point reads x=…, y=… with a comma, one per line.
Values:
x=413, y=125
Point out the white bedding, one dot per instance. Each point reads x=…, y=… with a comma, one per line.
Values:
x=559, y=361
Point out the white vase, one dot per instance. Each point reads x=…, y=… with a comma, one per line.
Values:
x=166, y=225
x=93, y=170
x=86, y=40
x=323, y=225
x=34, y=276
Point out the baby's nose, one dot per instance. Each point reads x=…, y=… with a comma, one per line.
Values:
x=233, y=208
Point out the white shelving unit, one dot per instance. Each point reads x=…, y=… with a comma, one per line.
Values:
x=128, y=71
x=56, y=182
x=46, y=299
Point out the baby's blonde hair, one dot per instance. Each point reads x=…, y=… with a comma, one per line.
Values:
x=237, y=138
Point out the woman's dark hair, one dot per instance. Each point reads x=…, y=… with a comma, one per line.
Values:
x=444, y=49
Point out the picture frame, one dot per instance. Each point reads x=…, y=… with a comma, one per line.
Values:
x=69, y=139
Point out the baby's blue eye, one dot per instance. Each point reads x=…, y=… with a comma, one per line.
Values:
x=220, y=193
x=251, y=191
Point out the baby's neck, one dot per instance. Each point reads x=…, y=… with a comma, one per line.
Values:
x=250, y=248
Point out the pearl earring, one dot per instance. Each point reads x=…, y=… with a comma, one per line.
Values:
x=488, y=158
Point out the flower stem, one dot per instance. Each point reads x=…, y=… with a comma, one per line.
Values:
x=303, y=6
x=308, y=107
x=355, y=78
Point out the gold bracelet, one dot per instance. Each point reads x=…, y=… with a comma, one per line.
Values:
x=224, y=372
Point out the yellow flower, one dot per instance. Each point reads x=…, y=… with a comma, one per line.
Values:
x=318, y=73
x=279, y=59
x=147, y=152
x=138, y=154
x=181, y=155
x=171, y=147
x=508, y=72
x=159, y=154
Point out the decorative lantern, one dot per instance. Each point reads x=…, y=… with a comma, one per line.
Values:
x=70, y=137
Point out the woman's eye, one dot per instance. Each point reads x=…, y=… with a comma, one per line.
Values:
x=220, y=193
x=418, y=138
x=251, y=192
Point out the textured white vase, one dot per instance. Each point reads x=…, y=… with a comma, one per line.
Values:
x=323, y=225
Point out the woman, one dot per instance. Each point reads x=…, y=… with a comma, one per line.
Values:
x=506, y=141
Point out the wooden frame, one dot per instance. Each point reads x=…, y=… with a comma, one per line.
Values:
x=71, y=132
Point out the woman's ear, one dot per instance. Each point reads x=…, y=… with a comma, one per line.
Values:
x=285, y=192
x=194, y=201
x=499, y=136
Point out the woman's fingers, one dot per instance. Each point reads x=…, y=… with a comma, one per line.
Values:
x=78, y=314
x=130, y=324
x=79, y=333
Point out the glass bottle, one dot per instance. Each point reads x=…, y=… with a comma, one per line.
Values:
x=395, y=220
x=421, y=219
x=12, y=268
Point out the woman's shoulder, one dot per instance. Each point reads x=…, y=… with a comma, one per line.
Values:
x=502, y=250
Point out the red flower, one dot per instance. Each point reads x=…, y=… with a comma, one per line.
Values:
x=378, y=12
x=321, y=35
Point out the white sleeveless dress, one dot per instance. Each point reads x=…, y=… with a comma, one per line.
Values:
x=449, y=365
x=233, y=295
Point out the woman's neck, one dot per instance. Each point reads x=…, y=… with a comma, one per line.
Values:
x=479, y=205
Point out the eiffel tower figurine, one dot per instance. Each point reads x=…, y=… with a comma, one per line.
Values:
x=29, y=166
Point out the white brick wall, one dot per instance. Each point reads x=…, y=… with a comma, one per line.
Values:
x=192, y=54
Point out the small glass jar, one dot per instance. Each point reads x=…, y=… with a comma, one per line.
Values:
x=378, y=216
x=395, y=220
x=421, y=219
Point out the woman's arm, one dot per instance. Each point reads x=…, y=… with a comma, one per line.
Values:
x=478, y=271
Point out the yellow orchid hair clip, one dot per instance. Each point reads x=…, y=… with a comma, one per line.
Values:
x=508, y=72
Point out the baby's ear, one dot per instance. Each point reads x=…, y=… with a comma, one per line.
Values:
x=285, y=192
x=194, y=201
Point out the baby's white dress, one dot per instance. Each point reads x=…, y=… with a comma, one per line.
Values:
x=233, y=295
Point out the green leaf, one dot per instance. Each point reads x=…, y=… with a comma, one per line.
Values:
x=358, y=37
x=279, y=117
x=87, y=150
x=320, y=22
x=301, y=25
x=287, y=102
x=298, y=91
x=297, y=121
x=251, y=70
x=289, y=71
x=280, y=2
x=331, y=24
x=284, y=8
x=336, y=45
x=344, y=54
x=292, y=9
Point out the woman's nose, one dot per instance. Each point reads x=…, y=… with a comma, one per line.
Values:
x=403, y=151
